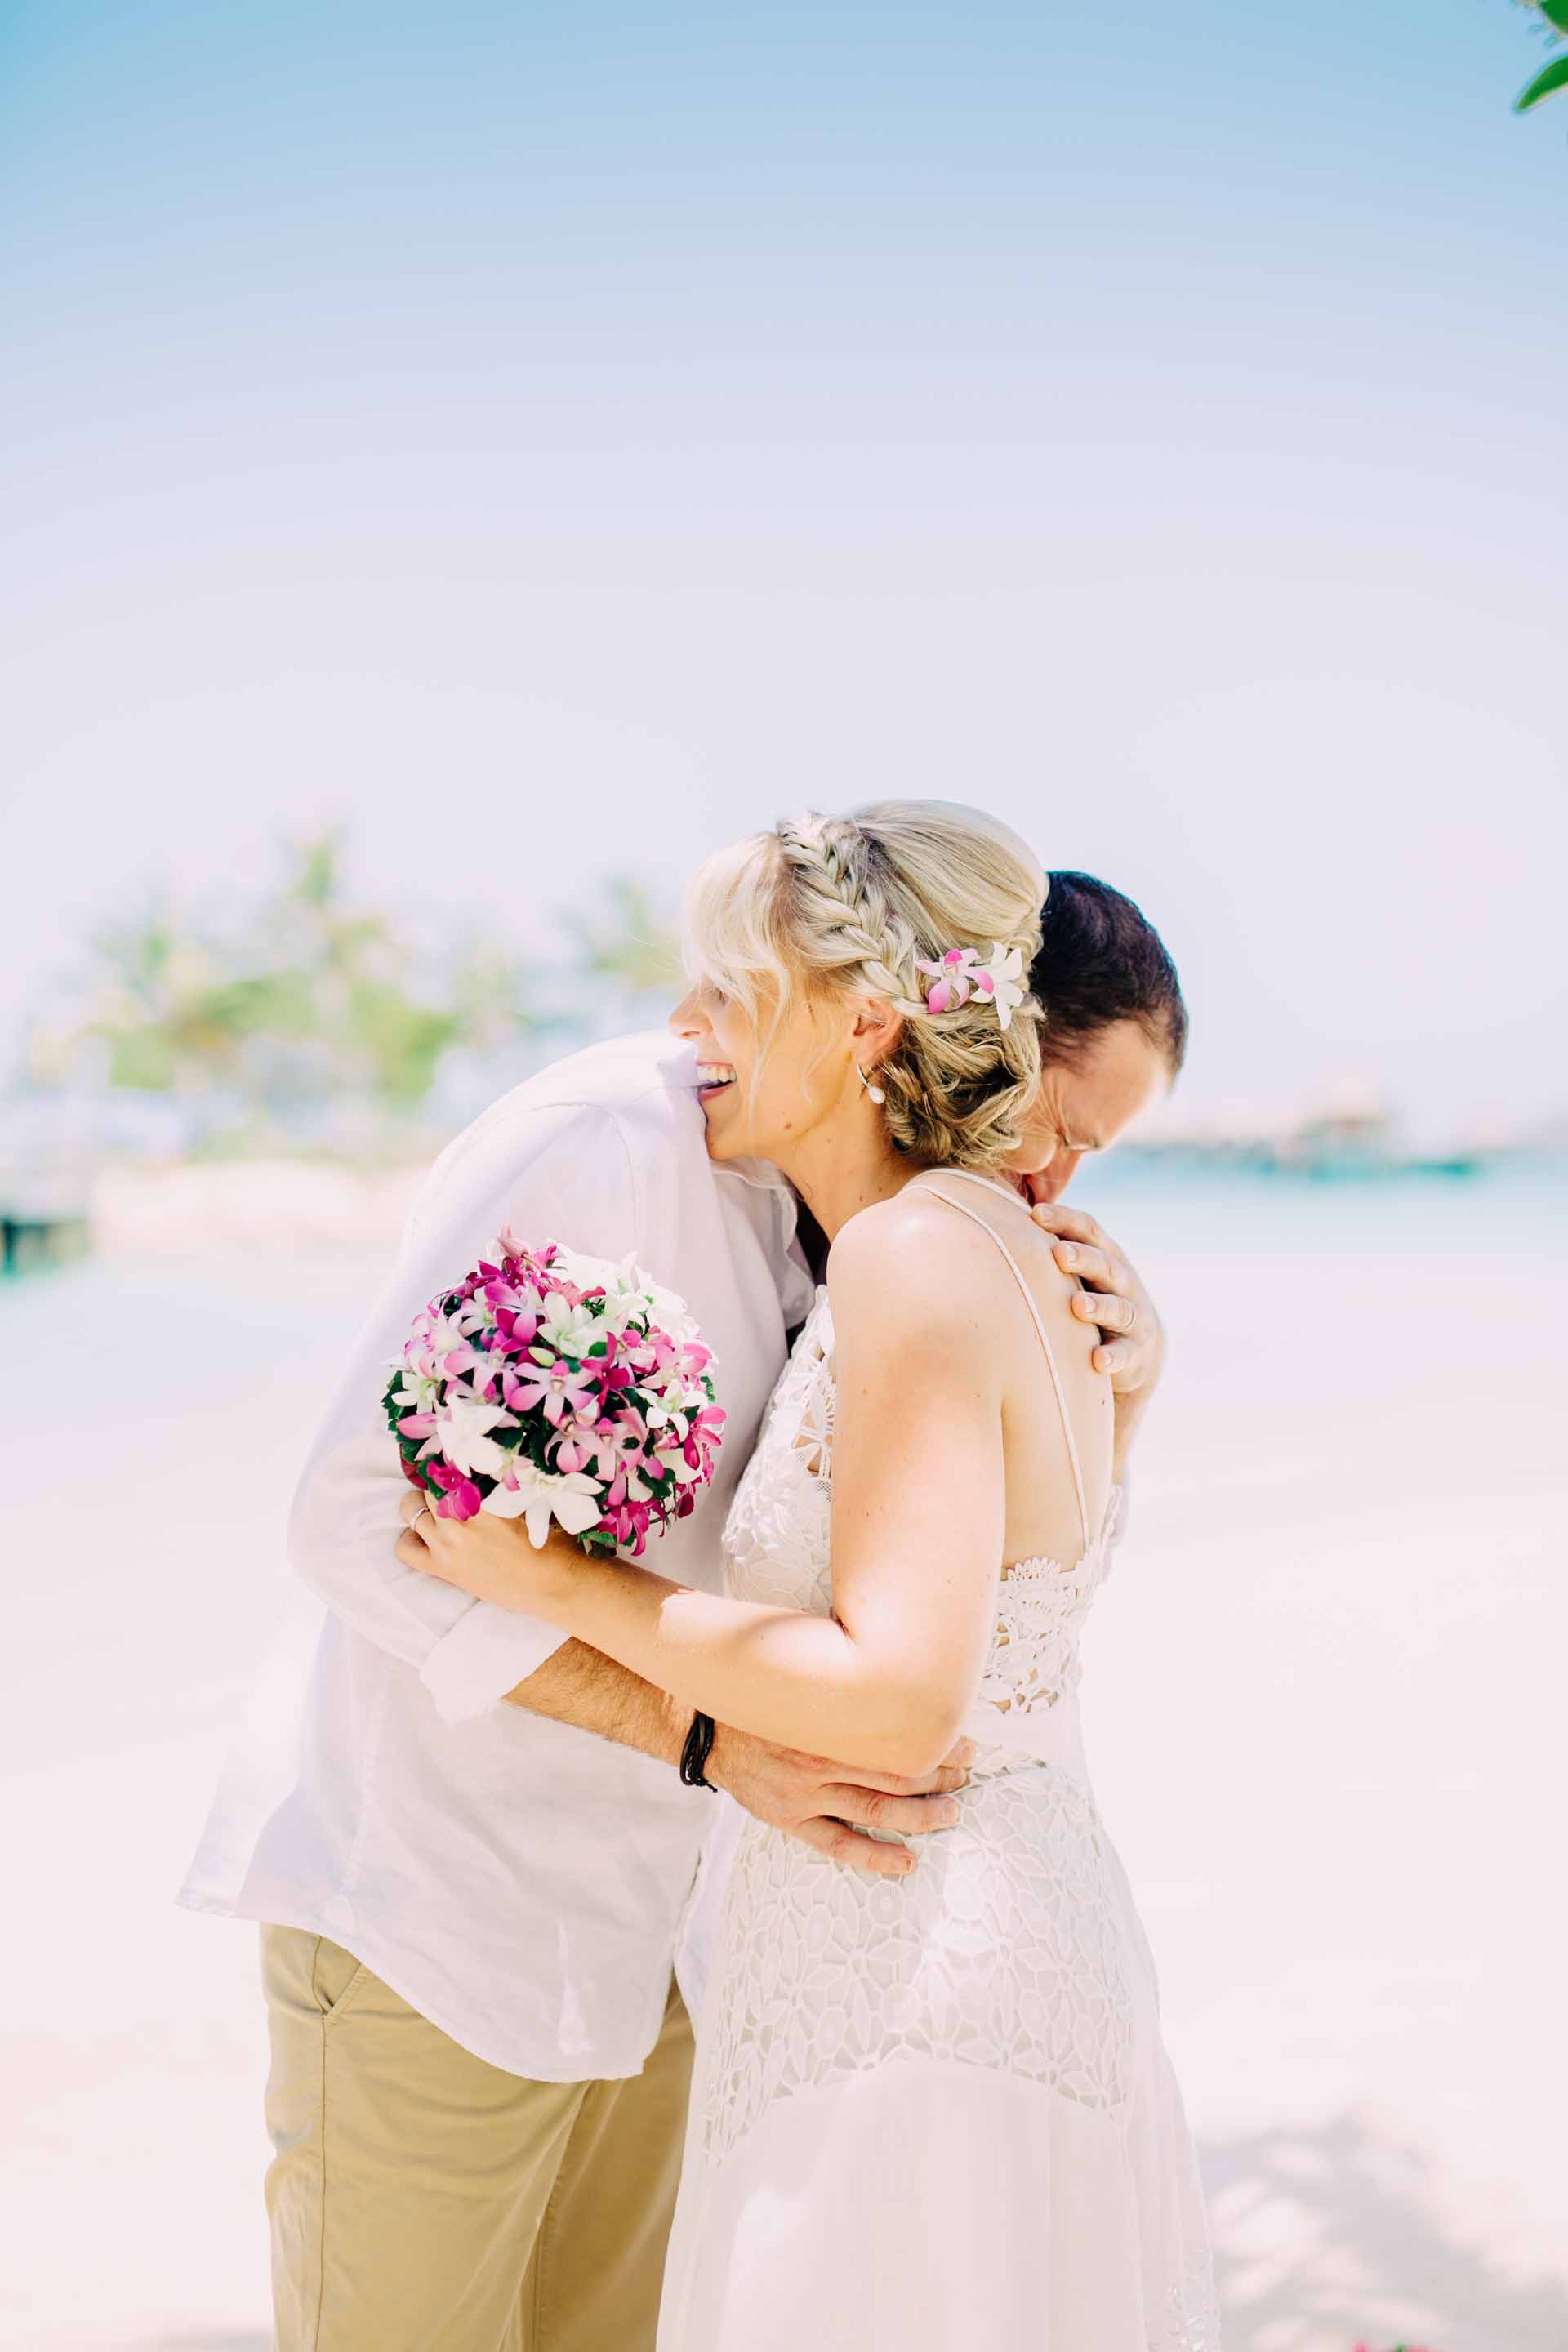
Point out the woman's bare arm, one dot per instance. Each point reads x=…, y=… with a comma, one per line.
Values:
x=917, y=1528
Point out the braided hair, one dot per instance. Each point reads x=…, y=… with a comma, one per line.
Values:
x=849, y=905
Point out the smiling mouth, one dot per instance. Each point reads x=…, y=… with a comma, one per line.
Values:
x=712, y=1079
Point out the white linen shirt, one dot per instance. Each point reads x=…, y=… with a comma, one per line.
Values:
x=520, y=1882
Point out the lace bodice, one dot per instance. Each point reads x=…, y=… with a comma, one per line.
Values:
x=1011, y=1952
x=777, y=1547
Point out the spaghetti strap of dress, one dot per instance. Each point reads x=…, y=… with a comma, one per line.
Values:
x=927, y=1182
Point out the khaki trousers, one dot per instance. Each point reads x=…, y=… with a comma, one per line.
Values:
x=421, y=2200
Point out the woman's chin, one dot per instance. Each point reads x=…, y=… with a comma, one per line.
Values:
x=719, y=1130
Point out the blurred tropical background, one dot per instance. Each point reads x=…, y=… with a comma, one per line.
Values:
x=458, y=469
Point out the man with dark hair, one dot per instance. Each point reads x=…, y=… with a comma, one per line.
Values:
x=1100, y=962
x=1115, y=1036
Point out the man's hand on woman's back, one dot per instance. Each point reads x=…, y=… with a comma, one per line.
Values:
x=823, y=1804
x=827, y=1805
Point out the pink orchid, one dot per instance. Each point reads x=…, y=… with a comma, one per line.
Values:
x=557, y=1388
x=706, y=1429
x=629, y=1523
x=625, y=1436
x=953, y=977
x=460, y=1498
x=582, y=1445
x=962, y=974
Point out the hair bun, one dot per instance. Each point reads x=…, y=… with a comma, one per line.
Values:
x=856, y=904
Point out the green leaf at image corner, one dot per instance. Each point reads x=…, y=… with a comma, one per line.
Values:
x=1552, y=76
x=1556, y=13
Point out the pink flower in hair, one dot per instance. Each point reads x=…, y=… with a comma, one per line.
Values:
x=960, y=974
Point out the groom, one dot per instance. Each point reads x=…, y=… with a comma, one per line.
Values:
x=464, y=1835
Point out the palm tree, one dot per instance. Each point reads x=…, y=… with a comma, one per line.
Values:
x=310, y=999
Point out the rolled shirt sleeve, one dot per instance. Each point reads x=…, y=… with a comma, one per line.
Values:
x=562, y=1173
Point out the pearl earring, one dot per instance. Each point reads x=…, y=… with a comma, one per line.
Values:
x=876, y=1093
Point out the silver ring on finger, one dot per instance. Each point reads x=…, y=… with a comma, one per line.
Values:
x=1131, y=1316
x=422, y=1513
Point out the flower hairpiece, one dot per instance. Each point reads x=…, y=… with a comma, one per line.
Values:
x=960, y=974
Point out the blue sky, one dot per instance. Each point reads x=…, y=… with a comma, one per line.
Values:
x=552, y=437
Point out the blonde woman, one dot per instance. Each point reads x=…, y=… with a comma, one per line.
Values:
x=931, y=2109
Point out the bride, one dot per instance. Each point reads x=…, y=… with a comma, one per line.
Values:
x=929, y=2110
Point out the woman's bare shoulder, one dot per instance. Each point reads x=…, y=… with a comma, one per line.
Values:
x=913, y=1263
x=916, y=1263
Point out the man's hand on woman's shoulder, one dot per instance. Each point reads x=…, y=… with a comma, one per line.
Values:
x=1112, y=1296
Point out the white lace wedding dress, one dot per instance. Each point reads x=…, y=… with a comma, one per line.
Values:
x=934, y=2115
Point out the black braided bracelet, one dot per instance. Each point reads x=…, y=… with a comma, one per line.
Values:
x=695, y=1754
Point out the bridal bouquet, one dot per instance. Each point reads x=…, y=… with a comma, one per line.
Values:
x=553, y=1386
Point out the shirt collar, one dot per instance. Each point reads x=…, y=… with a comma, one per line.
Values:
x=678, y=1068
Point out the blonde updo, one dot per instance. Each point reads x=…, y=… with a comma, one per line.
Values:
x=846, y=906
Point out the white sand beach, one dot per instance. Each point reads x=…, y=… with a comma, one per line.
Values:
x=1323, y=1697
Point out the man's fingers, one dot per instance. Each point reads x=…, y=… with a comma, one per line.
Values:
x=1095, y=1266
x=411, y=1551
x=1104, y=1307
x=950, y=1774
x=943, y=1782
x=872, y=1809
x=1072, y=1225
x=842, y=1845
x=1114, y=1359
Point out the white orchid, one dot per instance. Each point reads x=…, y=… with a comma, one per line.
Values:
x=668, y=1311
x=1008, y=984
x=565, y=1329
x=622, y=1310
x=584, y=1272
x=463, y=1437
x=417, y=1393
x=446, y=1338
x=536, y=1496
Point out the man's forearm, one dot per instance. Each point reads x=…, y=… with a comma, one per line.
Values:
x=579, y=1685
x=1128, y=1415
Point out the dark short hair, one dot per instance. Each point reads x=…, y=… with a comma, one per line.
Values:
x=1101, y=960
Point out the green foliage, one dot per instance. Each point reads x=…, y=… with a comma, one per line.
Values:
x=1550, y=78
x=1554, y=75
x=631, y=946
x=307, y=999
